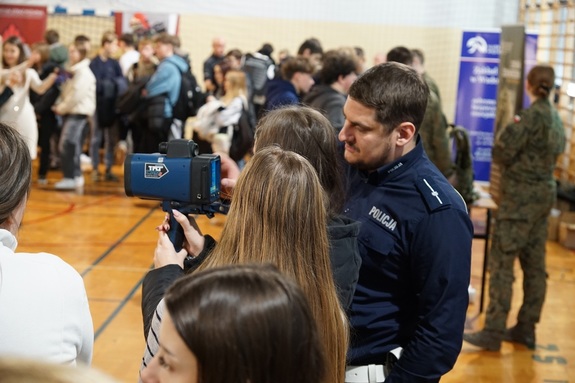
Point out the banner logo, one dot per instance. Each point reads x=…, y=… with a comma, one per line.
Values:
x=476, y=44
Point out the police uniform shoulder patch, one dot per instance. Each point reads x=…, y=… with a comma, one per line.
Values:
x=432, y=193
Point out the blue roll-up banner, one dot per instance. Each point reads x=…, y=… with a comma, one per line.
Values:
x=477, y=91
x=477, y=95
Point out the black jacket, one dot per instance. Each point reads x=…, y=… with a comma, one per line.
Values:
x=157, y=281
x=329, y=102
x=344, y=256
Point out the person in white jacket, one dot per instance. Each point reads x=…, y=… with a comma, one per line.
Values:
x=18, y=111
x=44, y=311
x=77, y=103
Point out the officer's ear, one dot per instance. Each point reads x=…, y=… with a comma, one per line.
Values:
x=405, y=134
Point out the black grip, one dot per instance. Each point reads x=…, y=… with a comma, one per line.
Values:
x=176, y=233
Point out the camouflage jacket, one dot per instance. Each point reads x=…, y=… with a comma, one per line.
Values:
x=527, y=150
x=433, y=132
x=431, y=84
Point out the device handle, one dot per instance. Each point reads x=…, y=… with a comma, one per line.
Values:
x=176, y=232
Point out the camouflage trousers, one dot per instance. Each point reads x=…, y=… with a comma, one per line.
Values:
x=524, y=239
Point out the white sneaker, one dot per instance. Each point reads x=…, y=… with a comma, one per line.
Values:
x=85, y=163
x=66, y=184
x=123, y=146
x=79, y=181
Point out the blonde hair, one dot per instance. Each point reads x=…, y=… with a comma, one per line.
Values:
x=15, y=370
x=278, y=216
x=236, y=85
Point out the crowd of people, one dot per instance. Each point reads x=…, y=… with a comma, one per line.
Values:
x=361, y=266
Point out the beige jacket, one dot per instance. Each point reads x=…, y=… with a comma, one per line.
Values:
x=78, y=93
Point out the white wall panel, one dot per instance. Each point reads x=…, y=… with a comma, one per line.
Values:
x=422, y=13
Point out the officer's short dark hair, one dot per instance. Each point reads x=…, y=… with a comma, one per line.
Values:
x=395, y=91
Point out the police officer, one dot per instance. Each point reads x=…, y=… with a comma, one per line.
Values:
x=433, y=128
x=526, y=151
x=415, y=238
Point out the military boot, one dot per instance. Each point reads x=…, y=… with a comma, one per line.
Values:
x=486, y=339
x=521, y=333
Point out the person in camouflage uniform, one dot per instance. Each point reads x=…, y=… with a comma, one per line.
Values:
x=433, y=132
x=527, y=151
x=433, y=129
x=418, y=65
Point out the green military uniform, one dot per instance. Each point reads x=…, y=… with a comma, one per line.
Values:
x=433, y=132
x=527, y=151
x=431, y=84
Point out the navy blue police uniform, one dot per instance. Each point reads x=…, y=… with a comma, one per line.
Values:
x=415, y=244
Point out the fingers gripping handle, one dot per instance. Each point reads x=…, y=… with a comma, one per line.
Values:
x=176, y=232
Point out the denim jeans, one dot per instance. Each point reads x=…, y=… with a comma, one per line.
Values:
x=70, y=146
x=109, y=134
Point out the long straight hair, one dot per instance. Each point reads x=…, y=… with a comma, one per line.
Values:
x=252, y=321
x=307, y=132
x=278, y=216
x=236, y=86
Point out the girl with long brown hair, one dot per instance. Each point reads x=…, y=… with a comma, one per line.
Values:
x=278, y=216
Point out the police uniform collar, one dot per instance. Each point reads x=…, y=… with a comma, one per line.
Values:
x=395, y=168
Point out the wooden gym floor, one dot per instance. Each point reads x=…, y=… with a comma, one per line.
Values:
x=109, y=238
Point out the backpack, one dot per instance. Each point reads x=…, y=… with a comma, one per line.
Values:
x=130, y=101
x=190, y=98
x=461, y=154
x=259, y=69
x=243, y=136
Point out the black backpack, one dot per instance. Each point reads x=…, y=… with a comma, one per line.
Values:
x=243, y=136
x=258, y=68
x=190, y=98
x=464, y=174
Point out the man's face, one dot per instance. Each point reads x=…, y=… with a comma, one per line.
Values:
x=417, y=65
x=347, y=80
x=162, y=50
x=302, y=82
x=111, y=48
x=218, y=47
x=73, y=54
x=147, y=51
x=367, y=145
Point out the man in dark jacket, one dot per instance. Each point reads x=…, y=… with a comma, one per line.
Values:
x=217, y=56
x=110, y=83
x=296, y=79
x=415, y=236
x=338, y=72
